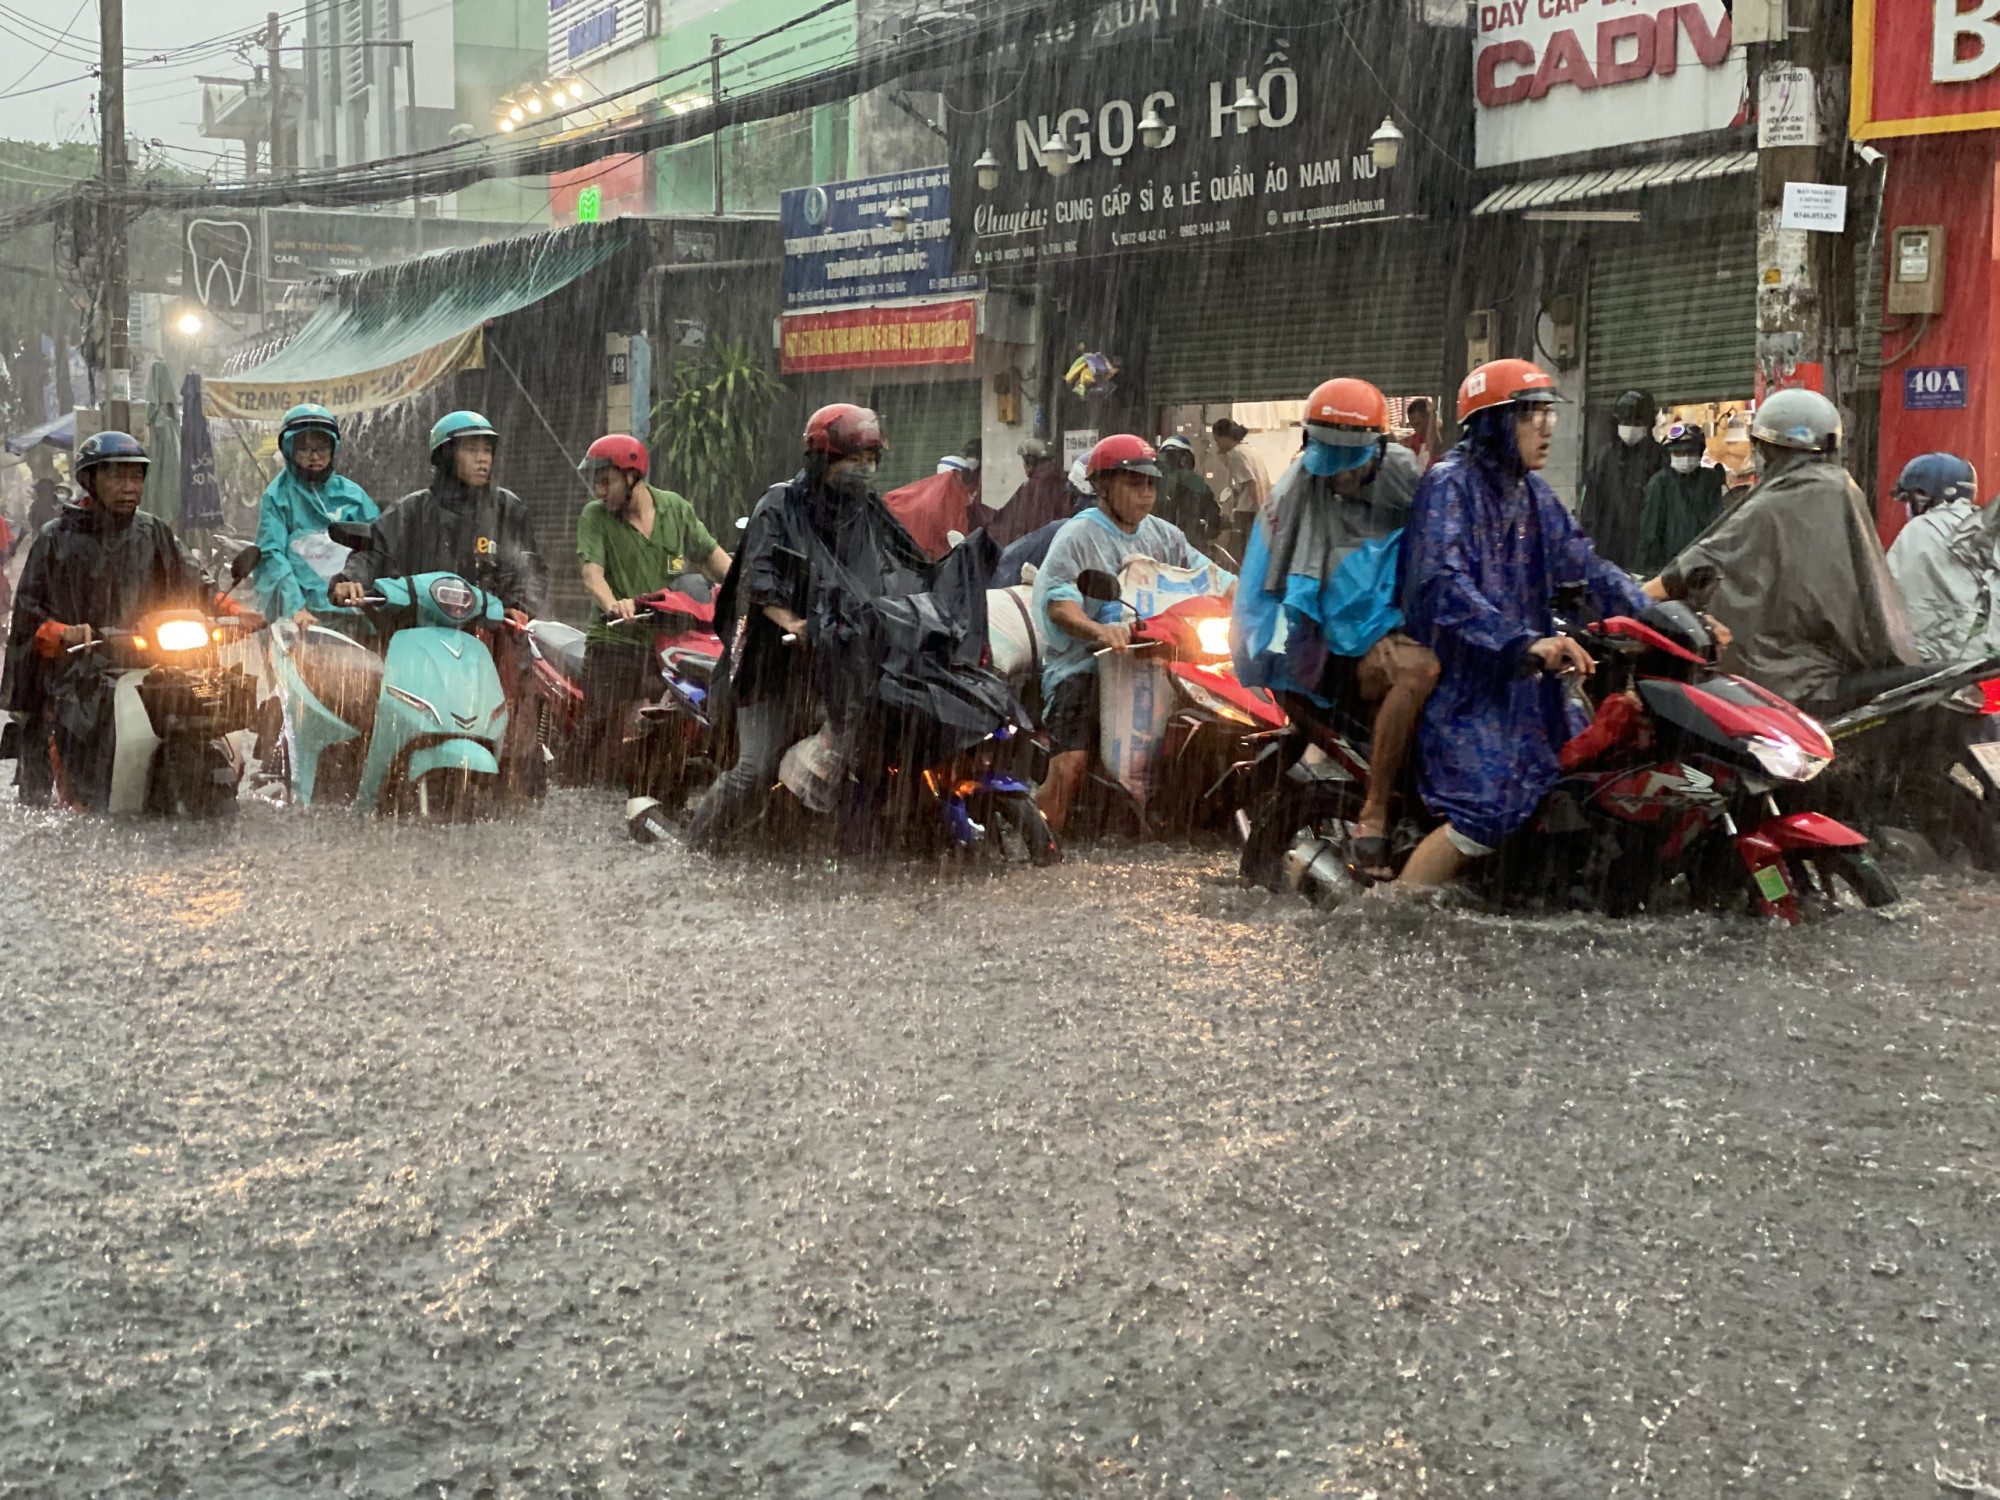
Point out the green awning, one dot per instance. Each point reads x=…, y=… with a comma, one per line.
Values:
x=388, y=334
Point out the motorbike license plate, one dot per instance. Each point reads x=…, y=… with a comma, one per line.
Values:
x=1988, y=756
x=1772, y=883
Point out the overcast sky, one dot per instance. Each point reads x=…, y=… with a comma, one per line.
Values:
x=46, y=46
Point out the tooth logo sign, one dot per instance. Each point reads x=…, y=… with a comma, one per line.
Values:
x=220, y=247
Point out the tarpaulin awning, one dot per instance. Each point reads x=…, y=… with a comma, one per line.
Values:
x=389, y=334
x=61, y=432
x=1546, y=192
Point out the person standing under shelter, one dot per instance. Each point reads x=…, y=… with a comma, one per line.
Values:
x=1246, y=485
x=1614, y=486
x=1682, y=500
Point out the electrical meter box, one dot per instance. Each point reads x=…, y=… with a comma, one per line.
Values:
x=1916, y=270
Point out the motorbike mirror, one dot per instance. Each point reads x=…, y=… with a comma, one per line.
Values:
x=1098, y=586
x=244, y=564
x=356, y=536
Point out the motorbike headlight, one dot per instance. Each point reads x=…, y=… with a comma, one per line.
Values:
x=454, y=596
x=180, y=635
x=1783, y=759
x=1213, y=635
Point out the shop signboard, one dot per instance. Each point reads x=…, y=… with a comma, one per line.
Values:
x=841, y=245
x=1551, y=79
x=610, y=189
x=1923, y=67
x=1934, y=388
x=1296, y=156
x=582, y=31
x=863, y=338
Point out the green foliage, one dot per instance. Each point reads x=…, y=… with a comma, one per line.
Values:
x=712, y=427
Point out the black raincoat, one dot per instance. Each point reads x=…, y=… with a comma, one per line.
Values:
x=1614, y=497
x=86, y=568
x=485, y=536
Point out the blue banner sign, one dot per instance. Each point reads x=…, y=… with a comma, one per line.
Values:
x=843, y=246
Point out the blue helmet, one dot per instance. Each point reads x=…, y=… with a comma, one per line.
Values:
x=1933, y=479
x=109, y=447
x=306, y=418
x=460, y=424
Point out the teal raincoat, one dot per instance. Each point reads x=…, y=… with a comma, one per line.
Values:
x=299, y=560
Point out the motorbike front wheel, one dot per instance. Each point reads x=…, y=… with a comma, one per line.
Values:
x=1019, y=812
x=1823, y=874
x=449, y=796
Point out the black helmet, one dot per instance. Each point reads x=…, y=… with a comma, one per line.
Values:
x=1634, y=408
x=109, y=447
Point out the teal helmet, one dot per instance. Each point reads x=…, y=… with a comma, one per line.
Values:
x=460, y=424
x=306, y=418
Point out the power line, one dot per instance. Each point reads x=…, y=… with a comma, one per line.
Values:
x=74, y=17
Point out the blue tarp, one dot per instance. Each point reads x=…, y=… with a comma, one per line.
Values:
x=61, y=432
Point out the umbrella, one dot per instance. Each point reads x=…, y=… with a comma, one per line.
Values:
x=163, y=445
x=201, y=496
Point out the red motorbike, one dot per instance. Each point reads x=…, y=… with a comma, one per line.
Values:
x=1675, y=786
x=1179, y=734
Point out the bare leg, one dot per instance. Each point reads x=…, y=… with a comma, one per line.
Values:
x=1065, y=779
x=1401, y=673
x=1436, y=861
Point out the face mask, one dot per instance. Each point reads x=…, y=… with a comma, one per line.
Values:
x=1629, y=433
x=855, y=480
x=1685, y=463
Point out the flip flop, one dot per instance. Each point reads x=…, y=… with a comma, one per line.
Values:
x=1366, y=855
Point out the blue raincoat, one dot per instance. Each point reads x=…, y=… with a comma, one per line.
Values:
x=291, y=531
x=1486, y=548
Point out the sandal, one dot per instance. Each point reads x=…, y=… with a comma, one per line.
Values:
x=1368, y=860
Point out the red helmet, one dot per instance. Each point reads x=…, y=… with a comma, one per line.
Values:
x=1123, y=453
x=1347, y=413
x=1500, y=382
x=618, y=450
x=842, y=431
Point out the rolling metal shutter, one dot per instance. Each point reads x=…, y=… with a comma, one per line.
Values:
x=923, y=422
x=1270, y=321
x=1673, y=310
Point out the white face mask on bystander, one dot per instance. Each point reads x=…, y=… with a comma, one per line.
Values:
x=1685, y=463
x=1629, y=433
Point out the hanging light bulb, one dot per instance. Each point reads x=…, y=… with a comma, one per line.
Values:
x=576, y=89
x=506, y=124
x=988, y=168
x=1385, y=146
x=1055, y=155
x=534, y=104
x=515, y=114
x=1247, y=106
x=1152, y=129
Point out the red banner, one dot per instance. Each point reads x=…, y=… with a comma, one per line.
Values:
x=1922, y=68
x=861, y=338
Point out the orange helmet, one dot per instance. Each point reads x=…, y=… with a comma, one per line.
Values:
x=1501, y=382
x=843, y=430
x=1347, y=413
x=1123, y=453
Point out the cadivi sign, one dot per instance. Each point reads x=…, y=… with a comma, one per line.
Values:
x=1925, y=66
x=1555, y=77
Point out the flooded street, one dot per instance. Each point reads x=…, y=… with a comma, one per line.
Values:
x=523, y=1161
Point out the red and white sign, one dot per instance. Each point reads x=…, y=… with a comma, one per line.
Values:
x=1922, y=67
x=861, y=338
x=1556, y=77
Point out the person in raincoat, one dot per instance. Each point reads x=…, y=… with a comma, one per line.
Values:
x=1486, y=547
x=297, y=558
x=1946, y=560
x=1185, y=499
x=931, y=509
x=1799, y=574
x=1042, y=499
x=1682, y=500
x=1614, y=486
x=101, y=565
x=1316, y=619
x=821, y=536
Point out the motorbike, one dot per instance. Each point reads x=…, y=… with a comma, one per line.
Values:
x=1180, y=738
x=412, y=729
x=1679, y=790
x=1924, y=753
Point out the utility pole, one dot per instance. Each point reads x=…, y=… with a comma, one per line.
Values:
x=715, y=104
x=117, y=293
x=280, y=158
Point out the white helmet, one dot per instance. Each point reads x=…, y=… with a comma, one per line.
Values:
x=1803, y=420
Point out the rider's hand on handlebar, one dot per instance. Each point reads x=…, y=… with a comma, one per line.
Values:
x=1558, y=653
x=77, y=635
x=518, y=618
x=347, y=593
x=1115, y=637
x=624, y=609
x=1721, y=632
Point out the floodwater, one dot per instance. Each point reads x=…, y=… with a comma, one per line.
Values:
x=521, y=1161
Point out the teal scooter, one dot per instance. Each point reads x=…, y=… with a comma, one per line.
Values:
x=413, y=730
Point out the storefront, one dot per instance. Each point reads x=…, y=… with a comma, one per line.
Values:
x=1617, y=210
x=1223, y=211
x=1931, y=104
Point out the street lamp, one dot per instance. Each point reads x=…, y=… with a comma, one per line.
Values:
x=1385, y=146
x=1247, y=106
x=1055, y=155
x=988, y=168
x=898, y=215
x=1152, y=129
